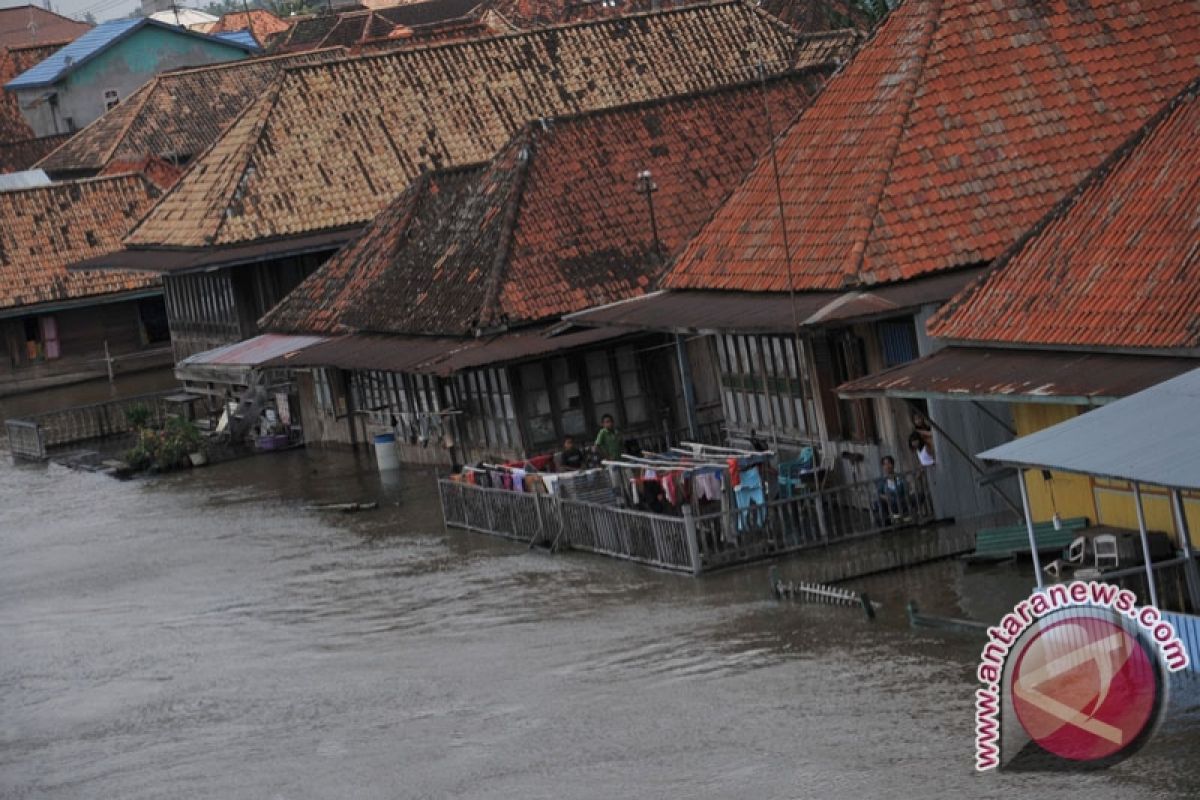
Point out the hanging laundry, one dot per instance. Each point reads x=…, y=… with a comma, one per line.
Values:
x=734, y=472
x=518, y=477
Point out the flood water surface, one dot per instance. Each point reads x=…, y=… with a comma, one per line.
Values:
x=206, y=635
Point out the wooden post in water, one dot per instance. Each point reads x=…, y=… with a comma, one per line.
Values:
x=108, y=362
x=693, y=544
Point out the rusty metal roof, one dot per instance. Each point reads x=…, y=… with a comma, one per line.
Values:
x=767, y=312
x=1024, y=376
x=437, y=355
x=1149, y=437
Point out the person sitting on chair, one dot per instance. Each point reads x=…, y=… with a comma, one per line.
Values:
x=570, y=457
x=892, y=498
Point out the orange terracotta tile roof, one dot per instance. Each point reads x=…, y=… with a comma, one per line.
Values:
x=554, y=222
x=1117, y=265
x=263, y=24
x=46, y=228
x=955, y=128
x=331, y=145
x=14, y=61
x=176, y=114
x=47, y=27
x=23, y=154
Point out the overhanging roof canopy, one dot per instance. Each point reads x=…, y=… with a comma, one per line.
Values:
x=1019, y=376
x=1149, y=437
x=695, y=311
x=438, y=355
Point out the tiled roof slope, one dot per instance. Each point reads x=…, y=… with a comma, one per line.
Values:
x=44, y=229
x=333, y=144
x=552, y=225
x=351, y=28
x=262, y=24
x=23, y=154
x=47, y=26
x=176, y=114
x=14, y=61
x=955, y=128
x=1118, y=265
x=819, y=15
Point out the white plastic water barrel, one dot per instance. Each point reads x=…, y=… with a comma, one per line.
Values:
x=386, y=457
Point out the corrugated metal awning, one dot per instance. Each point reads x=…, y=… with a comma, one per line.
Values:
x=694, y=311
x=437, y=355
x=255, y=352
x=1021, y=376
x=1149, y=437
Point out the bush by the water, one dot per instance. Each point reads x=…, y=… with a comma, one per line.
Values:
x=166, y=449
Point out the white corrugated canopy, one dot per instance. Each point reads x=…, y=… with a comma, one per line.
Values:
x=1150, y=437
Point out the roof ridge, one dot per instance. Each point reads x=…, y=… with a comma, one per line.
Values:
x=263, y=107
x=489, y=312
x=120, y=137
x=911, y=84
x=791, y=74
x=60, y=185
x=1110, y=164
x=242, y=62
x=541, y=31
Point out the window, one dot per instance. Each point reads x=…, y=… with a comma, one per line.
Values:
x=111, y=99
x=152, y=319
x=765, y=386
x=488, y=413
x=856, y=417
x=898, y=340
x=41, y=339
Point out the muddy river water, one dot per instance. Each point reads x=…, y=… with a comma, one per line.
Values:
x=204, y=635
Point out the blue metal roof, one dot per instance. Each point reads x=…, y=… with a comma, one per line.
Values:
x=94, y=42
x=242, y=37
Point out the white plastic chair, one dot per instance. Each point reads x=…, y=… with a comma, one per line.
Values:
x=1075, y=550
x=1105, y=548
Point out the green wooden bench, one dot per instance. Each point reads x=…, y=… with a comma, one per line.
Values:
x=1000, y=544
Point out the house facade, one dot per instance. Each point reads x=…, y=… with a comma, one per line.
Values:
x=921, y=162
x=61, y=327
x=446, y=311
x=1100, y=301
x=103, y=67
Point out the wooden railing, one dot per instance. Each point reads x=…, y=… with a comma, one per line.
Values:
x=812, y=519
x=35, y=435
x=690, y=543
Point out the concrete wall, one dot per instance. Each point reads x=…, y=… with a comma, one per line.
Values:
x=124, y=67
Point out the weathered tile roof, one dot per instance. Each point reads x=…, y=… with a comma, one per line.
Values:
x=331, y=145
x=819, y=15
x=1116, y=265
x=351, y=28
x=176, y=114
x=552, y=225
x=955, y=128
x=23, y=154
x=44, y=229
x=14, y=61
x=262, y=24
x=47, y=26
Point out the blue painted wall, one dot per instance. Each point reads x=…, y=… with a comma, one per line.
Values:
x=122, y=68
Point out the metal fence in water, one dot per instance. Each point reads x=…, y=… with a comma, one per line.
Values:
x=35, y=435
x=689, y=543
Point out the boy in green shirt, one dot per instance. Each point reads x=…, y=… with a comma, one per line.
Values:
x=607, y=441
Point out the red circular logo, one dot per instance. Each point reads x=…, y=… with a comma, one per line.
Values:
x=1084, y=688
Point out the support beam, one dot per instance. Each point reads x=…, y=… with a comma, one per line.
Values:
x=1011, y=430
x=689, y=391
x=1189, y=558
x=1141, y=518
x=1033, y=548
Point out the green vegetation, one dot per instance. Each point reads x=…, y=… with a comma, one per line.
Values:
x=166, y=449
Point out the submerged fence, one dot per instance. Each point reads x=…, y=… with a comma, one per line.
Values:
x=691, y=543
x=35, y=435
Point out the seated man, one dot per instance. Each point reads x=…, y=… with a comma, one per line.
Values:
x=570, y=457
x=892, y=500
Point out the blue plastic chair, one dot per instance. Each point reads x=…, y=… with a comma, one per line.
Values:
x=792, y=473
